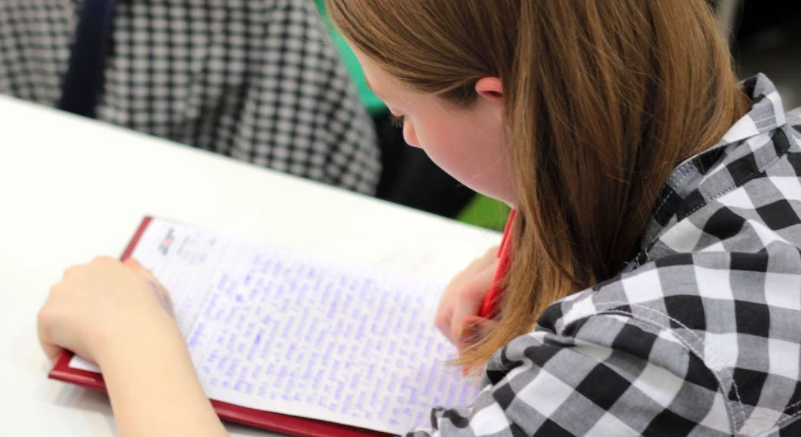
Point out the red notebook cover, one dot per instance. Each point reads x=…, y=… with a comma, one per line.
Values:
x=292, y=425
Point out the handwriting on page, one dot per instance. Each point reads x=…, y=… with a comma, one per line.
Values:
x=279, y=329
x=275, y=330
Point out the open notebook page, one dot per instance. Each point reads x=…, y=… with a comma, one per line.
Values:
x=272, y=329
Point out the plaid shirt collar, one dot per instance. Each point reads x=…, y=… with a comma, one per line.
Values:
x=698, y=179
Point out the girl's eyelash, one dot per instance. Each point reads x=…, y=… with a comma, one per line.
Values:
x=397, y=120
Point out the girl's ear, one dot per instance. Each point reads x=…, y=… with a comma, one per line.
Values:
x=490, y=88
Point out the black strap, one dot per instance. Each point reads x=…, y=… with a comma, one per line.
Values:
x=83, y=82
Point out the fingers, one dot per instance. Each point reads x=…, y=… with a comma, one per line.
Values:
x=465, y=308
x=468, y=303
x=492, y=253
x=134, y=265
x=464, y=295
x=490, y=258
x=161, y=292
x=93, y=298
x=475, y=328
x=443, y=321
x=50, y=349
x=444, y=315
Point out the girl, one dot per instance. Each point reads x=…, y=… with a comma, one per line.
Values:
x=654, y=264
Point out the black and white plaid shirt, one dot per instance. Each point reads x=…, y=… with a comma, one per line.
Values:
x=700, y=336
x=255, y=80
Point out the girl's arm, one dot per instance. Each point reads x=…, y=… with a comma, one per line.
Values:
x=154, y=389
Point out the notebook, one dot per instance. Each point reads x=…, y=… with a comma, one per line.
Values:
x=297, y=343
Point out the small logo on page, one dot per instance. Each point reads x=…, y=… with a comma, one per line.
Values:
x=166, y=242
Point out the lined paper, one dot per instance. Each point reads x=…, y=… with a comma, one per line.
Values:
x=277, y=330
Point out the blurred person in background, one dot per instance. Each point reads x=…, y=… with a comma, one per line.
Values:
x=256, y=81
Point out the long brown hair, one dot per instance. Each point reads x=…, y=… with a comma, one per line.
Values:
x=603, y=99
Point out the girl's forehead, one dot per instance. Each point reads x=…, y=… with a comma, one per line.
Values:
x=387, y=87
x=375, y=77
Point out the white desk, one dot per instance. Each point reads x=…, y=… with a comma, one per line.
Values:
x=71, y=189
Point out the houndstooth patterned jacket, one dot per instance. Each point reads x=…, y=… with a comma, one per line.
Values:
x=701, y=334
x=255, y=80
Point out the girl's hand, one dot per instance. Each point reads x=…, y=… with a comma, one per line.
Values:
x=99, y=305
x=457, y=316
x=118, y=316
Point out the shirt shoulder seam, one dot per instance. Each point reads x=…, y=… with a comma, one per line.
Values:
x=736, y=418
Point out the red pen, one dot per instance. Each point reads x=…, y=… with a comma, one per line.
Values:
x=489, y=307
